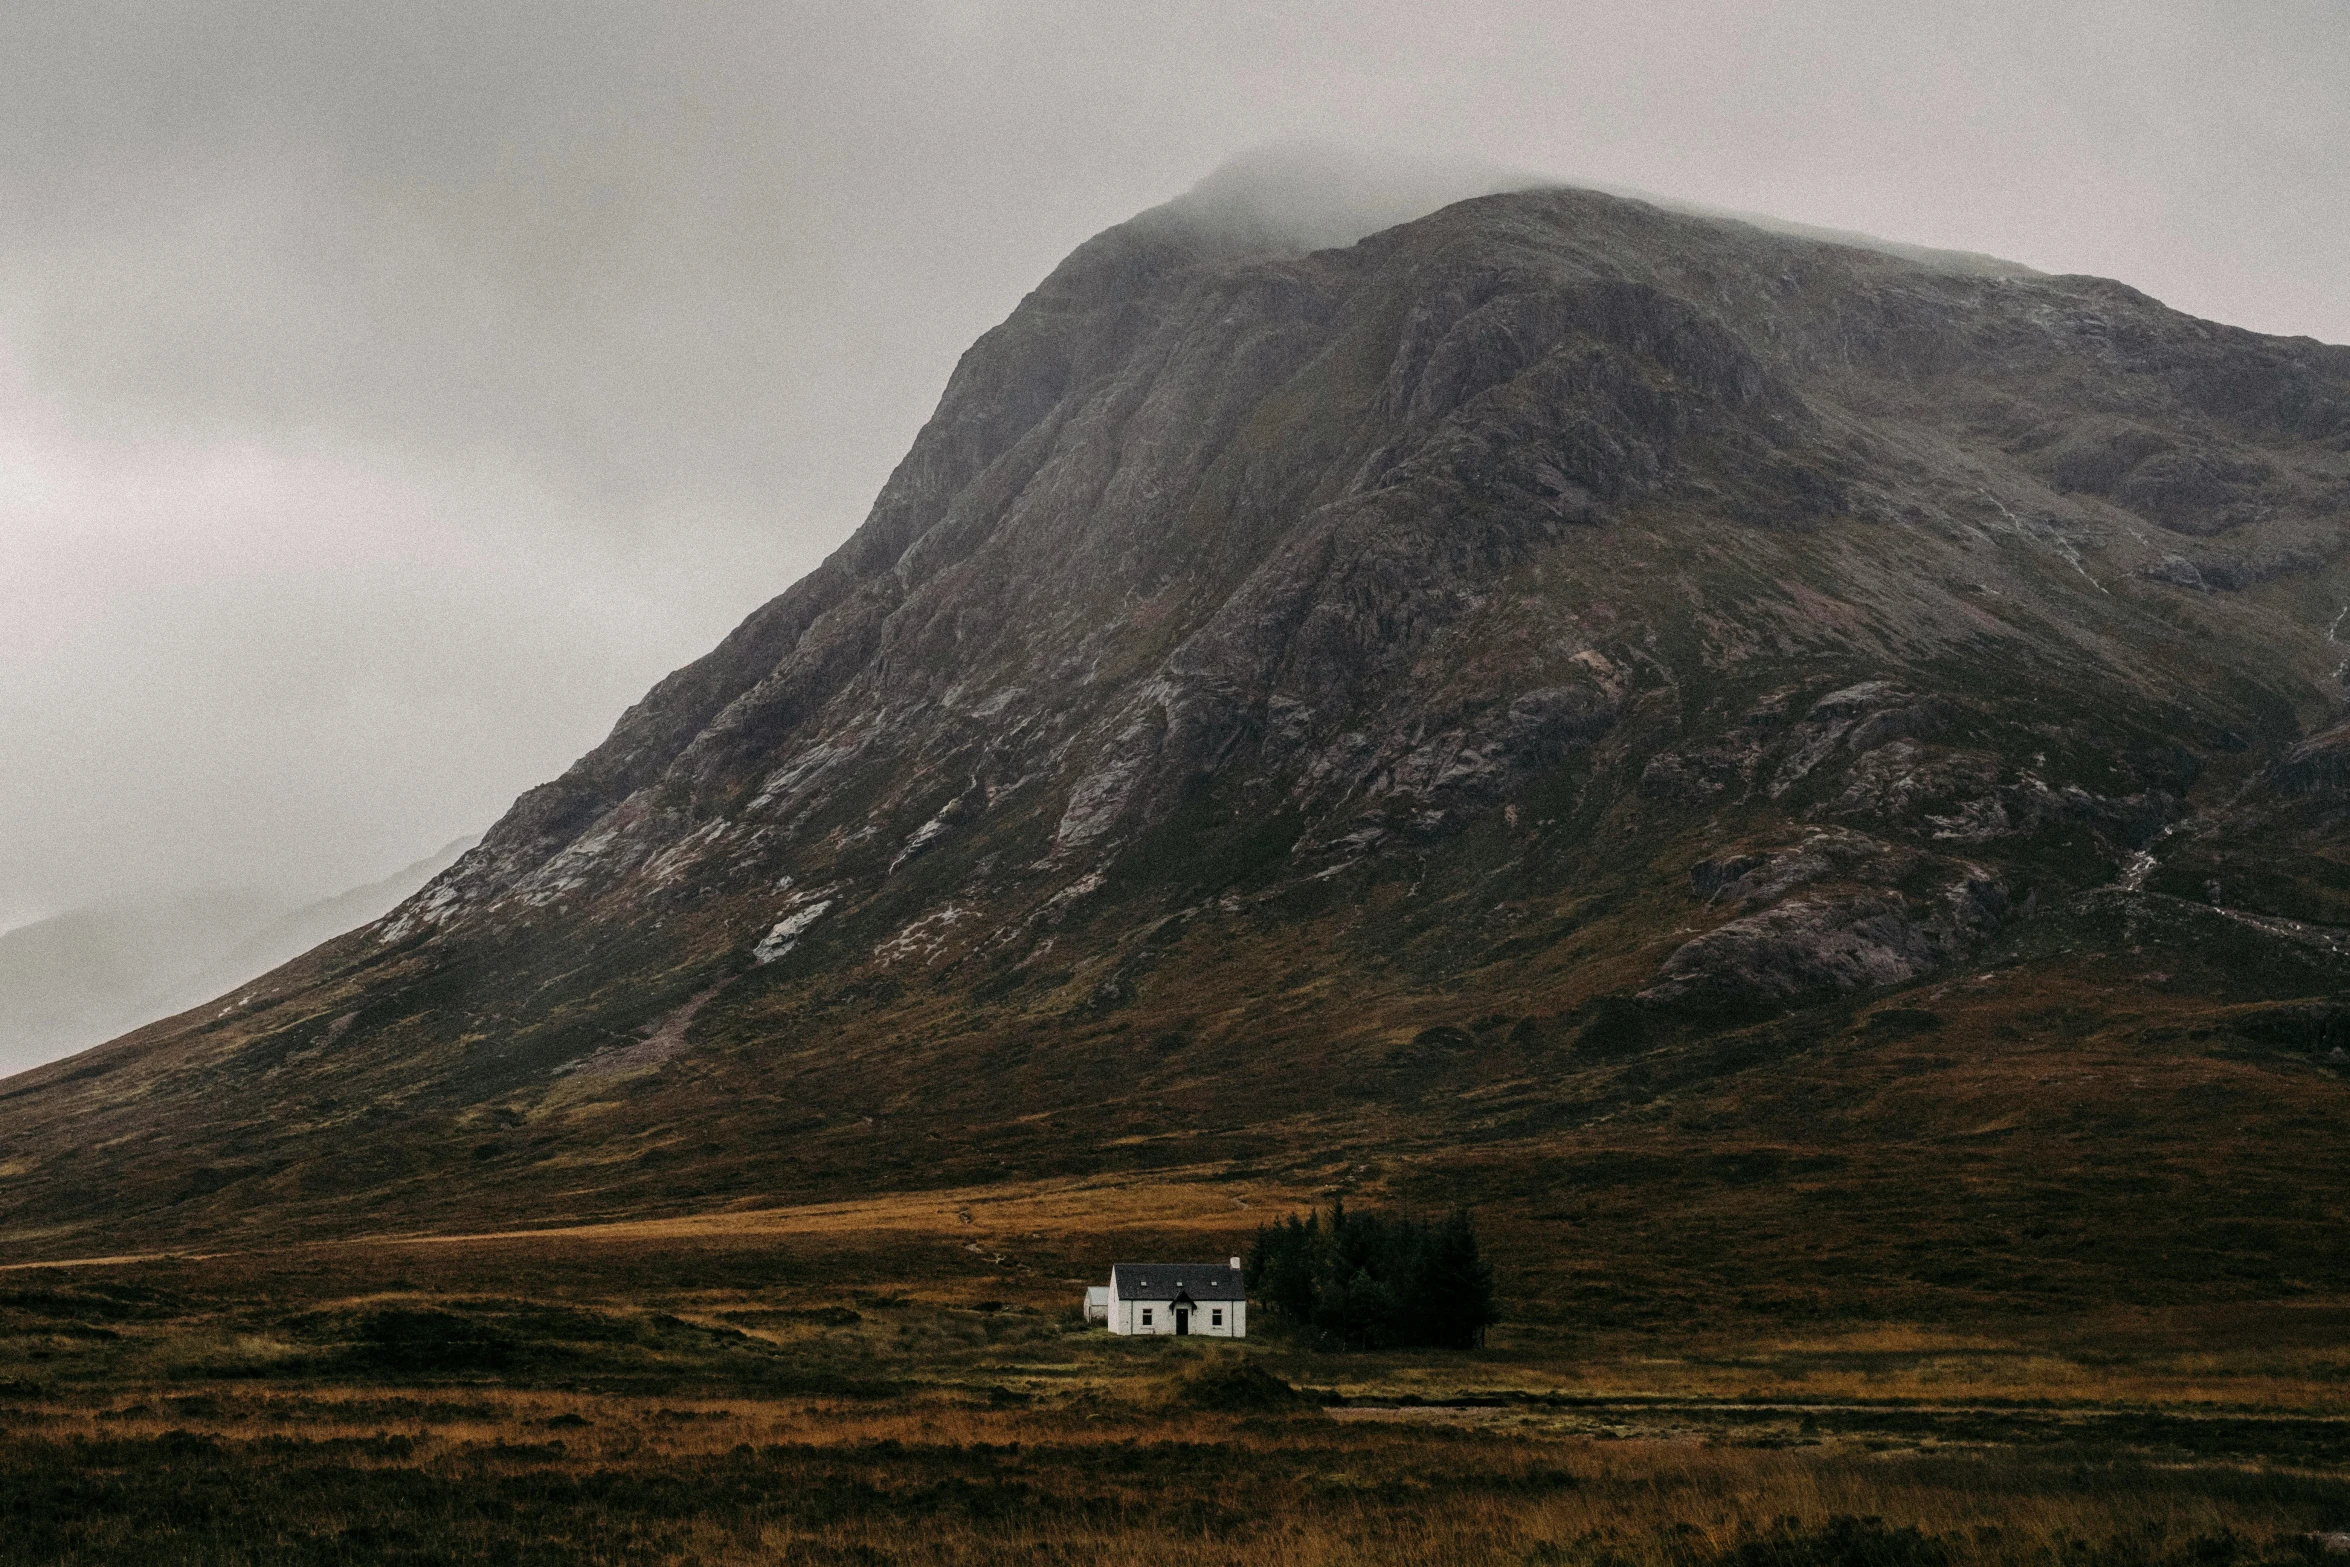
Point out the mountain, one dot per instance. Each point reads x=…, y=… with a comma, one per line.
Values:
x=1754, y=758
x=80, y=978
x=83, y=977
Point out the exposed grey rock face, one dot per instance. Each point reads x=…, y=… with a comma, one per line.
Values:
x=2317, y=768
x=1804, y=944
x=1767, y=877
x=1828, y=913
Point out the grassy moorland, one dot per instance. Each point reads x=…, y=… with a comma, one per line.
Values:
x=902, y=1380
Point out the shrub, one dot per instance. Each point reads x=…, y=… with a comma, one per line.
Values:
x=1233, y=1384
x=399, y=1340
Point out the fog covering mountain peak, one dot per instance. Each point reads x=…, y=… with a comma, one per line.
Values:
x=1305, y=196
x=1293, y=197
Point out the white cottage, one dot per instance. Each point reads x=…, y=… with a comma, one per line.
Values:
x=1203, y=1298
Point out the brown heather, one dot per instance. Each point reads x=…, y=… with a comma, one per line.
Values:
x=812, y=1388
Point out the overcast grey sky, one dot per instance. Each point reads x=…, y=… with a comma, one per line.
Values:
x=390, y=392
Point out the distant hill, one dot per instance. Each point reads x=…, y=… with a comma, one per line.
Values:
x=83, y=977
x=1798, y=768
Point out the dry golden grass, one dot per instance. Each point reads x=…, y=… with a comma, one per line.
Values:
x=896, y=1379
x=1173, y=1201
x=932, y=1479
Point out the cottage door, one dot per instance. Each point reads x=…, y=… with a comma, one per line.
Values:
x=1182, y=1322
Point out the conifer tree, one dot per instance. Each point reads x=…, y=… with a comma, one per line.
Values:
x=1370, y=1281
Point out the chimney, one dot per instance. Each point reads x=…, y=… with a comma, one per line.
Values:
x=1236, y=1264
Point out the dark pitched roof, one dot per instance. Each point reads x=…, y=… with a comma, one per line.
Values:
x=1161, y=1280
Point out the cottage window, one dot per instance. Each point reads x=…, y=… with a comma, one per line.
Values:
x=1216, y=1319
x=1146, y=1319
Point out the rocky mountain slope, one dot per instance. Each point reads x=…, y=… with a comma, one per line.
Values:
x=1555, y=681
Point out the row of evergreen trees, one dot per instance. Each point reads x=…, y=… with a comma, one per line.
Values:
x=1370, y=1281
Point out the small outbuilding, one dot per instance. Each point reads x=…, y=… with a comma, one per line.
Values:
x=1097, y=1303
x=1180, y=1298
